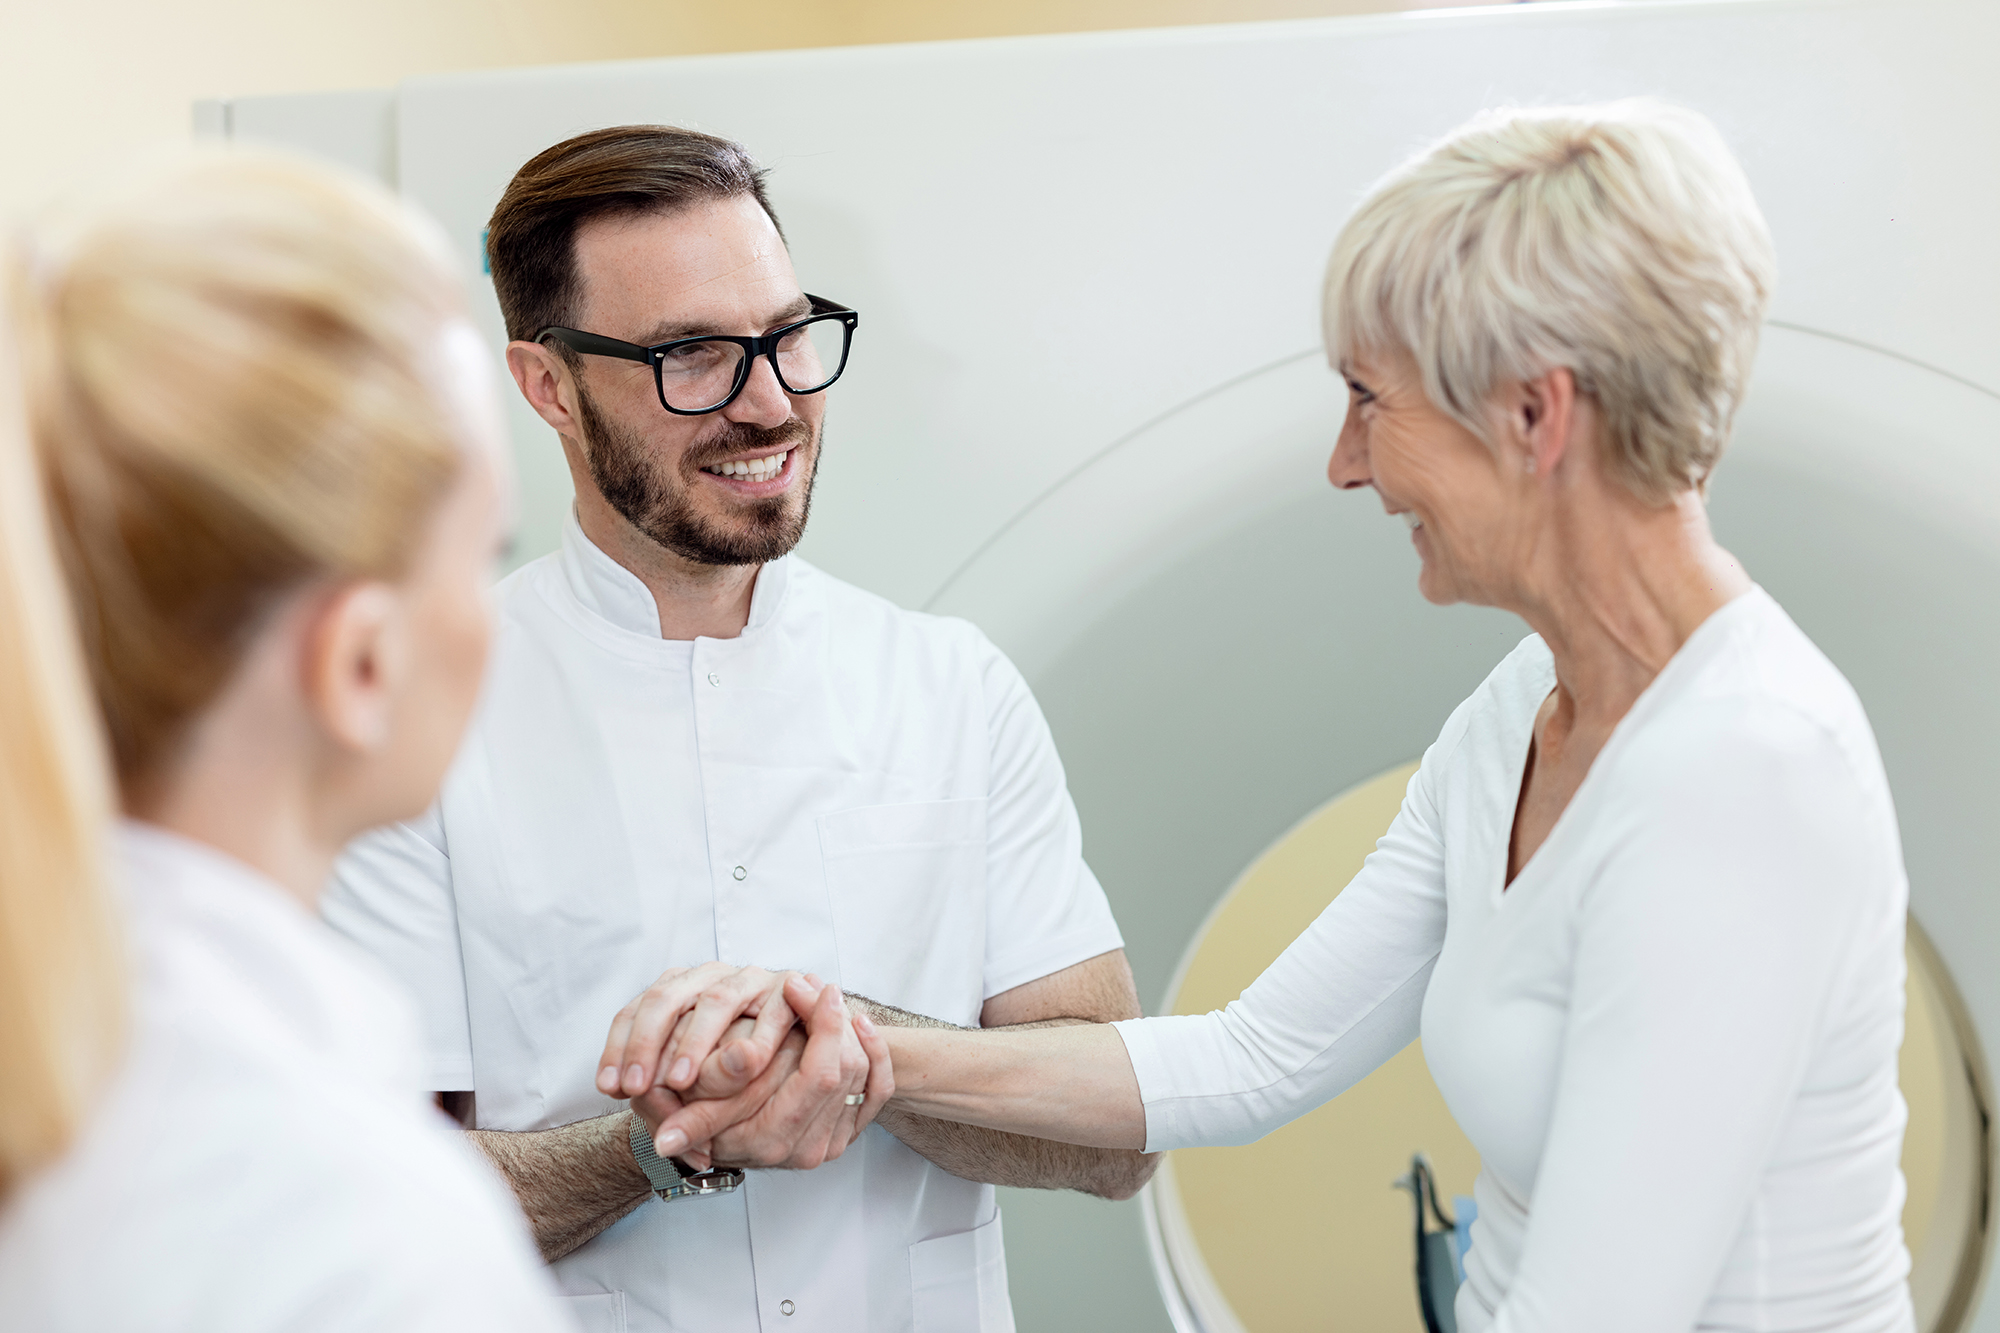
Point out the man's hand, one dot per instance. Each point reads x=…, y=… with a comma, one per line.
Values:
x=715, y=1081
x=793, y=1112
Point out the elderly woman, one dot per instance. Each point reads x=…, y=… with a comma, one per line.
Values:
x=1644, y=899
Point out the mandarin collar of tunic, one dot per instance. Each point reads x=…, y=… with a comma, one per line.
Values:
x=615, y=594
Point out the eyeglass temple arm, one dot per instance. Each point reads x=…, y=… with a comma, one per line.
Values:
x=596, y=344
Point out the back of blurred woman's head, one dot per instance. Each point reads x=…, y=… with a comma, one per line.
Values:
x=1621, y=242
x=230, y=368
x=231, y=375
x=61, y=964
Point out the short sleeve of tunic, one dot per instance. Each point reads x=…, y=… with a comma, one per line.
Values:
x=1044, y=909
x=391, y=894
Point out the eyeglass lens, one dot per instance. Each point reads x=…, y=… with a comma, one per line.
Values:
x=699, y=375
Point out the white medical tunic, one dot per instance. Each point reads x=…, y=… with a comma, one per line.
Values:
x=266, y=1158
x=846, y=788
x=1672, y=1038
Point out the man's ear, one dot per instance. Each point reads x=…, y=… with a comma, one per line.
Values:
x=1540, y=417
x=356, y=658
x=544, y=382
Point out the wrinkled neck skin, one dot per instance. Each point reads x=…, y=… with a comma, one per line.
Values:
x=249, y=777
x=694, y=600
x=1615, y=586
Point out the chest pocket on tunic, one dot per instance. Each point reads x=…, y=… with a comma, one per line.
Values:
x=907, y=885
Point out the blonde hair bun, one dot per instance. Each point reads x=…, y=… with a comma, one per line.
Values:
x=231, y=377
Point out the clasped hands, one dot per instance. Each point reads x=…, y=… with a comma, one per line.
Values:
x=738, y=1066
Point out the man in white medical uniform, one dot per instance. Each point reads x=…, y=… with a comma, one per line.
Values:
x=696, y=746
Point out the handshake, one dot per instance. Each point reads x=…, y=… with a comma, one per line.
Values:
x=737, y=1066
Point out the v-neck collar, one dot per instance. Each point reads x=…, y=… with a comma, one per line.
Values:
x=1700, y=647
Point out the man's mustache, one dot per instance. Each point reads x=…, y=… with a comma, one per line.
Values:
x=741, y=437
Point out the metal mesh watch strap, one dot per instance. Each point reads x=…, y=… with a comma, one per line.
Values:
x=672, y=1178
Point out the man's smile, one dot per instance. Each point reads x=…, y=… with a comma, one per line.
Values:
x=751, y=469
x=757, y=478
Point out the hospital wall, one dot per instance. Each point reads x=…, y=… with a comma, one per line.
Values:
x=85, y=85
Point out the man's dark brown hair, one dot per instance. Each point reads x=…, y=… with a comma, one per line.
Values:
x=531, y=239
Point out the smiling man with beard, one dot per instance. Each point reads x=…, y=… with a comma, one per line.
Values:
x=695, y=746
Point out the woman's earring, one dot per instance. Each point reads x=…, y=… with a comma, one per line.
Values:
x=1531, y=465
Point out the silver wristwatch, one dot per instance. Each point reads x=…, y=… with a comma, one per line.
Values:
x=671, y=1177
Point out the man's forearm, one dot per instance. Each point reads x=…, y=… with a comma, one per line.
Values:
x=573, y=1181
x=996, y=1157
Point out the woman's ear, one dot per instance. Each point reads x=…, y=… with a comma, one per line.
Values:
x=1540, y=417
x=356, y=660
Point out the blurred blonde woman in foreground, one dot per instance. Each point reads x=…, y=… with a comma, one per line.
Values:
x=268, y=438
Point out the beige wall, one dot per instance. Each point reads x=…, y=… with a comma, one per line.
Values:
x=82, y=83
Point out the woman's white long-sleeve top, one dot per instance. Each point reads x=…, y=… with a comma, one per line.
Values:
x=1672, y=1039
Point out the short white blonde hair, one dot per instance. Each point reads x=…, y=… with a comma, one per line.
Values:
x=1620, y=242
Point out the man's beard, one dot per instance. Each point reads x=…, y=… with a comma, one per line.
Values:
x=659, y=505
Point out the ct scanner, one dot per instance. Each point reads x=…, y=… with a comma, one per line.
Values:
x=1087, y=410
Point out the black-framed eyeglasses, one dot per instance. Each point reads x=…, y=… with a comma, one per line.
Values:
x=696, y=376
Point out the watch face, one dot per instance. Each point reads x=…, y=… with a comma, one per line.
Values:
x=720, y=1181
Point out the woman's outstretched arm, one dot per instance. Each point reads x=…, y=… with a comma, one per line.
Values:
x=1343, y=998
x=1073, y=1083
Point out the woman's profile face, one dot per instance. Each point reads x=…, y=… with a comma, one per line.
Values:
x=446, y=617
x=1453, y=489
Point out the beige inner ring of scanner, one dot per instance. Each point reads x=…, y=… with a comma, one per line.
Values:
x=1302, y=1231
